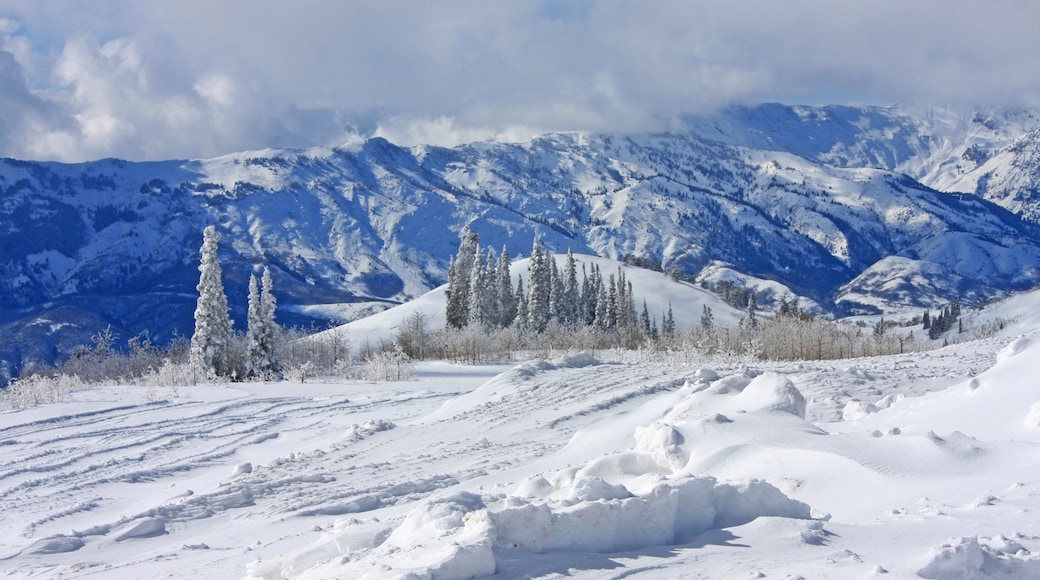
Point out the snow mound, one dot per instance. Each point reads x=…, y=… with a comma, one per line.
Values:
x=577, y=361
x=975, y=557
x=1014, y=349
x=56, y=545
x=143, y=528
x=772, y=392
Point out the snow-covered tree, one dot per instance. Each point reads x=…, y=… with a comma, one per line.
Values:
x=211, y=341
x=668, y=323
x=571, y=297
x=483, y=292
x=507, y=302
x=520, y=322
x=707, y=319
x=261, y=360
x=538, y=288
x=459, y=276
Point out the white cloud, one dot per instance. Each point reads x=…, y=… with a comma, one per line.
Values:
x=148, y=80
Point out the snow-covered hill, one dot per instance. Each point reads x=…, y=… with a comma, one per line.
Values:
x=810, y=201
x=902, y=467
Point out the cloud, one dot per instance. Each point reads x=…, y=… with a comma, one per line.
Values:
x=151, y=80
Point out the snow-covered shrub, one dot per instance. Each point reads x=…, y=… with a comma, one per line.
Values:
x=392, y=365
x=38, y=390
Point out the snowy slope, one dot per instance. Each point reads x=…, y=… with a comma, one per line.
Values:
x=908, y=466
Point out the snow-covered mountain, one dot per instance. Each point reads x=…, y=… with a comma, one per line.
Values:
x=838, y=204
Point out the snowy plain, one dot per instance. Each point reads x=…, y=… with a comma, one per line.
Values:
x=587, y=465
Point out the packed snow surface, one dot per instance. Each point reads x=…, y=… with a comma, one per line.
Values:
x=576, y=465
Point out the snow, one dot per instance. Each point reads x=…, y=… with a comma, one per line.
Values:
x=923, y=465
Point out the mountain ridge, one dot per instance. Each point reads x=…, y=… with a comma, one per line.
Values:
x=351, y=228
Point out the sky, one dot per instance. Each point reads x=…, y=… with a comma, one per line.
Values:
x=165, y=79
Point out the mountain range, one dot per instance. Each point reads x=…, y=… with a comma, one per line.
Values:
x=855, y=209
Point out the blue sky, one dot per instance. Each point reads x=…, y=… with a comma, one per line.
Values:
x=156, y=79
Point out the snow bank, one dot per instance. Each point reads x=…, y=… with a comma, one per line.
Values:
x=598, y=516
x=975, y=557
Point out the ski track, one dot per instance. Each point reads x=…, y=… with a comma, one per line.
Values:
x=50, y=465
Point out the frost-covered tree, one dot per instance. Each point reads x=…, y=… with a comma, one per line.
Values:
x=707, y=319
x=538, y=288
x=571, y=298
x=483, y=292
x=211, y=342
x=460, y=272
x=261, y=360
x=520, y=322
x=644, y=320
x=507, y=302
x=668, y=323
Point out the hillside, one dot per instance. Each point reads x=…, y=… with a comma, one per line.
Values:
x=837, y=205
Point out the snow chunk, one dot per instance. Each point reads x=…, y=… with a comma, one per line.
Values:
x=242, y=469
x=772, y=392
x=663, y=443
x=976, y=557
x=857, y=410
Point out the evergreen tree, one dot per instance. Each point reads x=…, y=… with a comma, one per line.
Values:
x=752, y=320
x=557, y=310
x=459, y=278
x=668, y=324
x=211, y=342
x=261, y=359
x=927, y=319
x=571, y=298
x=507, y=303
x=521, y=306
x=644, y=319
x=612, y=304
x=707, y=319
x=538, y=290
x=479, y=301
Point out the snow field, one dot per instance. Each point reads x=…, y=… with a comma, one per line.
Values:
x=923, y=465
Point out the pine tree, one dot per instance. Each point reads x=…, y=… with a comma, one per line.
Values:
x=556, y=298
x=668, y=324
x=484, y=307
x=211, y=342
x=707, y=319
x=571, y=298
x=507, y=303
x=644, y=319
x=261, y=360
x=752, y=320
x=521, y=307
x=537, y=290
x=457, y=309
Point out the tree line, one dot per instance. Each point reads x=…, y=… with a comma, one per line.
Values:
x=481, y=294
